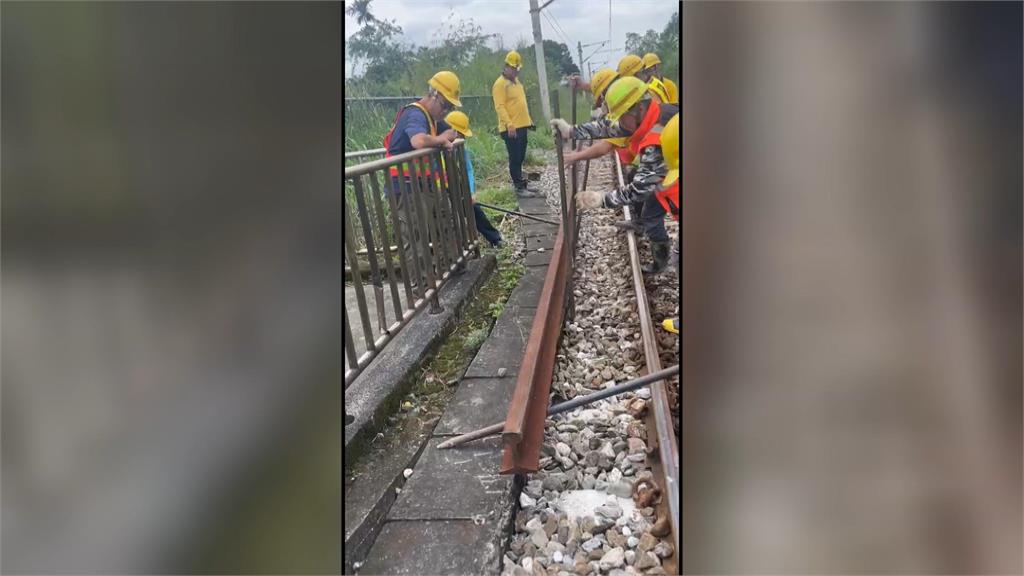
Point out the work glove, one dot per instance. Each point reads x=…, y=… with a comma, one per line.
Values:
x=562, y=127
x=597, y=113
x=589, y=199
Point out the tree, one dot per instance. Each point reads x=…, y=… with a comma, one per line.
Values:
x=558, y=54
x=376, y=43
x=665, y=44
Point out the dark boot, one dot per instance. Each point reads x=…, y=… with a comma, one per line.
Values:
x=523, y=192
x=630, y=225
x=660, y=252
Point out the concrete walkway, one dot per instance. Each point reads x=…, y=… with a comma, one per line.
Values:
x=455, y=510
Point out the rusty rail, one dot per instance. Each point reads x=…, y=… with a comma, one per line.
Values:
x=665, y=466
x=524, y=427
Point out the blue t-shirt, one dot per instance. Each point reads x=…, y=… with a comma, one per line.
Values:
x=411, y=122
x=469, y=173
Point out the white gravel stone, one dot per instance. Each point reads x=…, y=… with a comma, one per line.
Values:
x=525, y=501
x=613, y=558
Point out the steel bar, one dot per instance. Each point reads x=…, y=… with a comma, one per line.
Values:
x=389, y=267
x=412, y=242
x=563, y=204
x=350, y=347
x=396, y=226
x=362, y=153
x=357, y=281
x=367, y=225
x=434, y=218
x=520, y=214
x=418, y=202
x=387, y=163
x=659, y=417
x=452, y=194
x=566, y=406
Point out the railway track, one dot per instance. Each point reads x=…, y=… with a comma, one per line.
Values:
x=603, y=498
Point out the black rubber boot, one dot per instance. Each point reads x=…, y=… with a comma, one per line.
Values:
x=523, y=192
x=660, y=252
x=628, y=225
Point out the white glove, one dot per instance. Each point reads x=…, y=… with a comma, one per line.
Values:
x=589, y=199
x=597, y=113
x=562, y=127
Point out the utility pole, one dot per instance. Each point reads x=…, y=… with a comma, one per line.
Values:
x=579, y=50
x=542, y=73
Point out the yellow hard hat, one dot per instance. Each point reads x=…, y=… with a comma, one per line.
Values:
x=447, y=83
x=623, y=95
x=460, y=122
x=670, y=149
x=658, y=89
x=514, y=60
x=651, y=59
x=671, y=324
x=602, y=78
x=630, y=65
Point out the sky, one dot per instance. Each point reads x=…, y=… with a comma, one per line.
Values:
x=574, y=21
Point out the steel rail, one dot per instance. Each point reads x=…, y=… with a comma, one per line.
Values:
x=665, y=466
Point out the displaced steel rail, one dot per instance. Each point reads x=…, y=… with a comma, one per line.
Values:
x=524, y=426
x=665, y=466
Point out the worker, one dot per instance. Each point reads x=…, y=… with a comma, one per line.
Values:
x=634, y=112
x=626, y=157
x=421, y=125
x=599, y=86
x=513, y=119
x=651, y=74
x=416, y=125
x=668, y=193
x=460, y=123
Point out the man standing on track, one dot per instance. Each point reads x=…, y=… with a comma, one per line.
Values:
x=513, y=119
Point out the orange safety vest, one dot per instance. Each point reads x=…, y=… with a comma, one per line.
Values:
x=649, y=134
x=387, y=138
x=670, y=199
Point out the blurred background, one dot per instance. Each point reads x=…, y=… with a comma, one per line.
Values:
x=171, y=398
x=852, y=288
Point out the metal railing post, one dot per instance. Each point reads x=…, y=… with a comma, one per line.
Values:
x=429, y=238
x=406, y=263
x=371, y=249
x=386, y=246
x=357, y=281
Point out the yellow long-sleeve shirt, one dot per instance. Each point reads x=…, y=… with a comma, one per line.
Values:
x=510, y=104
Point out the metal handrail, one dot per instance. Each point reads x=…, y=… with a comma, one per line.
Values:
x=375, y=165
x=362, y=153
x=432, y=229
